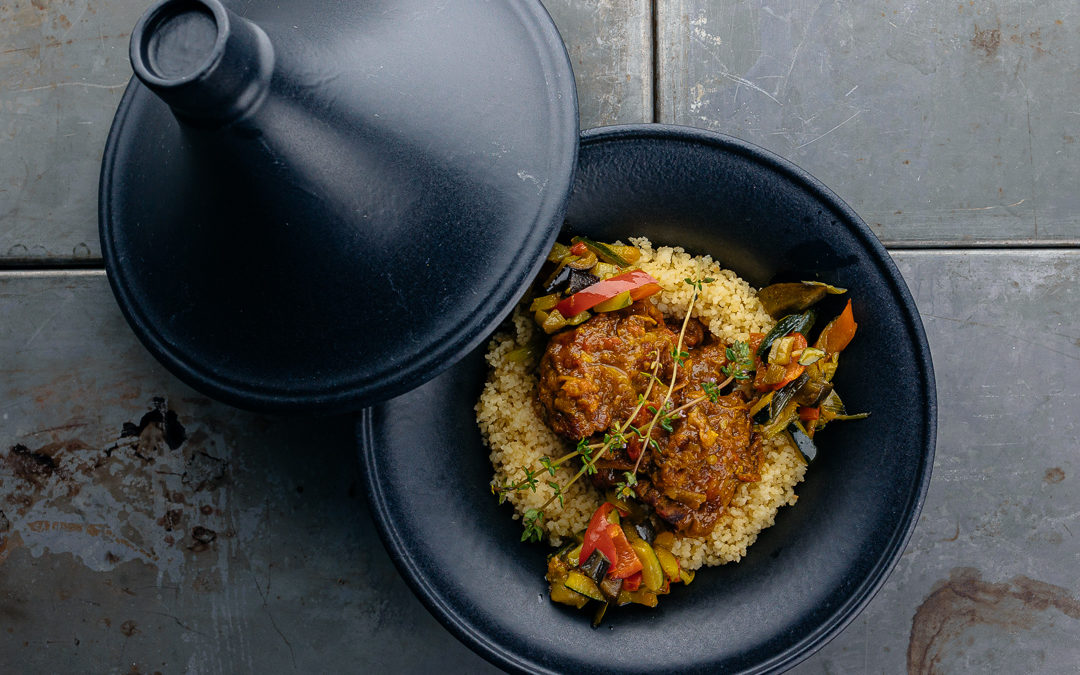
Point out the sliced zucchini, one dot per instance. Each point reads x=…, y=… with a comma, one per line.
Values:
x=578, y=582
x=652, y=574
x=668, y=562
x=620, y=301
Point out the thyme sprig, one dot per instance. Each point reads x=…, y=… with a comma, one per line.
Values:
x=697, y=285
x=740, y=362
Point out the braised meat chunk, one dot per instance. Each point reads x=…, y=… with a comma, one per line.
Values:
x=590, y=381
x=693, y=476
x=590, y=376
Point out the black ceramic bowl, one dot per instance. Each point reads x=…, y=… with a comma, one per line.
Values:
x=809, y=575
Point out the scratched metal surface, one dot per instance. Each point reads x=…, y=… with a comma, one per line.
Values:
x=199, y=539
x=143, y=524
x=144, y=528
x=937, y=121
x=64, y=65
x=988, y=583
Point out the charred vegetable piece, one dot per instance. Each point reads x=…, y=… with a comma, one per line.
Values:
x=785, y=394
x=639, y=283
x=792, y=323
x=610, y=587
x=645, y=531
x=762, y=404
x=599, y=616
x=595, y=566
x=569, y=280
x=781, y=420
x=631, y=583
x=812, y=392
x=781, y=299
x=804, y=443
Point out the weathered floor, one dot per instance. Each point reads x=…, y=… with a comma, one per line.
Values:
x=145, y=528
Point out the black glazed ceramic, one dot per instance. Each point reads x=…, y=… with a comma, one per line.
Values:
x=310, y=206
x=808, y=576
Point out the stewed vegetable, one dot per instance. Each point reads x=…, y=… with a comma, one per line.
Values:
x=614, y=565
x=669, y=419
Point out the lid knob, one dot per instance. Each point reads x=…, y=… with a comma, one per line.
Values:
x=210, y=65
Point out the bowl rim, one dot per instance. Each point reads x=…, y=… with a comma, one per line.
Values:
x=875, y=578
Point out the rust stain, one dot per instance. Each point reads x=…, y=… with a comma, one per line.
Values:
x=988, y=40
x=128, y=628
x=34, y=467
x=965, y=600
x=9, y=544
x=171, y=520
x=201, y=539
x=1054, y=475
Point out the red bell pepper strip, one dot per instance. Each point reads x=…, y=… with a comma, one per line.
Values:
x=639, y=283
x=627, y=562
x=596, y=535
x=839, y=332
x=807, y=414
x=632, y=582
x=579, y=248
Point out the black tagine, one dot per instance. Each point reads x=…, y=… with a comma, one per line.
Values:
x=316, y=205
x=807, y=576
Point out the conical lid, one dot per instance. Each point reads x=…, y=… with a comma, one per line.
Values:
x=318, y=205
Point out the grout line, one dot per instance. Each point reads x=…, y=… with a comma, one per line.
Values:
x=43, y=268
x=51, y=265
x=41, y=272
x=980, y=244
x=654, y=17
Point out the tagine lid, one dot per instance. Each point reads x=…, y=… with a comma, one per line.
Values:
x=313, y=206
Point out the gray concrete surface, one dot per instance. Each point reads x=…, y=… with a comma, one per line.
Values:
x=145, y=528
